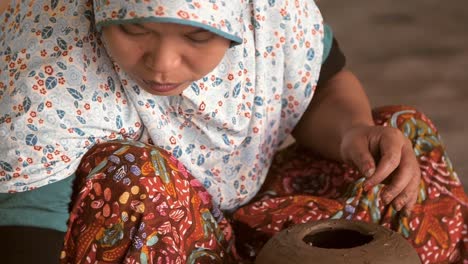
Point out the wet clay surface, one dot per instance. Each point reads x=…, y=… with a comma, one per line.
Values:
x=414, y=53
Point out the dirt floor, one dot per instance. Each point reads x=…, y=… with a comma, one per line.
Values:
x=413, y=53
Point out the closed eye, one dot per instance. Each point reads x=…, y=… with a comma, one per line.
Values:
x=200, y=36
x=134, y=29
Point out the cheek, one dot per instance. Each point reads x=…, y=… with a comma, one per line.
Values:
x=205, y=61
x=121, y=49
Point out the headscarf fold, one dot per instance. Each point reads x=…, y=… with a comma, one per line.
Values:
x=59, y=94
x=227, y=126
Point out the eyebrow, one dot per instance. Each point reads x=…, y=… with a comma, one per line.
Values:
x=195, y=31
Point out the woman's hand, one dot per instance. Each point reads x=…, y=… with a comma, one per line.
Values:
x=338, y=125
x=381, y=153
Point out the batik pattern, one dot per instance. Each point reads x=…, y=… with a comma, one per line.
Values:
x=302, y=187
x=138, y=204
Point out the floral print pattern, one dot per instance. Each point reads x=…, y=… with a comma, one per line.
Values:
x=226, y=127
x=55, y=77
x=220, y=16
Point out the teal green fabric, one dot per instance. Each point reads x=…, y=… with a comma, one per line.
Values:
x=45, y=207
x=327, y=42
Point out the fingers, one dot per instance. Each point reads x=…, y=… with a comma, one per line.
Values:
x=406, y=198
x=402, y=191
x=364, y=161
x=402, y=198
x=399, y=179
x=396, y=162
x=390, y=146
x=413, y=194
x=355, y=150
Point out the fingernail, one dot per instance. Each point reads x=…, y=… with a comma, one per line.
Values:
x=369, y=172
x=398, y=206
x=367, y=186
x=386, y=200
x=385, y=197
x=406, y=213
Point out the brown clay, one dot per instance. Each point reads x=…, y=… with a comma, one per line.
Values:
x=337, y=241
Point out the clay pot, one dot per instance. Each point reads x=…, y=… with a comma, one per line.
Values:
x=337, y=241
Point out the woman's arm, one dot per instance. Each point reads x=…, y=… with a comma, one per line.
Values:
x=338, y=105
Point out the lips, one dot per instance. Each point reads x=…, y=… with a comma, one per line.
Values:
x=161, y=87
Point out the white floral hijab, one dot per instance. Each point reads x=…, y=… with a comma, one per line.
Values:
x=227, y=126
x=54, y=77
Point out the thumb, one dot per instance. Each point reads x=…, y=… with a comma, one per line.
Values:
x=355, y=150
x=363, y=160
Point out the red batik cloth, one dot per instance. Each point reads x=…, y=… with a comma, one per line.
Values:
x=137, y=204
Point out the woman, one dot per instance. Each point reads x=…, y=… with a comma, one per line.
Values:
x=219, y=86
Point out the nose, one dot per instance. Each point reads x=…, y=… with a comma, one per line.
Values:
x=162, y=57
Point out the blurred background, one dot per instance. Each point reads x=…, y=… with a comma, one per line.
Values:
x=414, y=53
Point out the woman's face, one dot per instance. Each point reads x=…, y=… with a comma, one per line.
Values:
x=164, y=58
